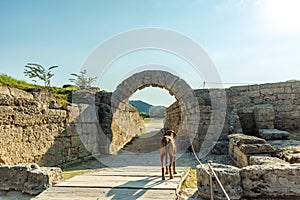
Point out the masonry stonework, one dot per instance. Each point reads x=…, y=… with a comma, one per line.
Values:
x=252, y=110
x=33, y=130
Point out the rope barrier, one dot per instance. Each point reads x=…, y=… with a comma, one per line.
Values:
x=218, y=180
x=198, y=160
x=211, y=174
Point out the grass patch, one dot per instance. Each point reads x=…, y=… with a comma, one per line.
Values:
x=9, y=81
x=191, y=180
x=61, y=95
x=149, y=120
x=72, y=173
x=291, y=149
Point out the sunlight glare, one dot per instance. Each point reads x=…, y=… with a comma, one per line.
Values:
x=283, y=16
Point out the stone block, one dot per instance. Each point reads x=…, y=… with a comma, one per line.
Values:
x=290, y=154
x=264, y=160
x=253, y=93
x=241, y=147
x=273, y=134
x=28, y=178
x=271, y=181
x=239, y=139
x=13, y=177
x=239, y=100
x=284, y=108
x=264, y=116
x=264, y=112
x=256, y=148
x=40, y=179
x=229, y=177
x=240, y=158
x=17, y=93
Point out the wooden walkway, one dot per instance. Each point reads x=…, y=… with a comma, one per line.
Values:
x=128, y=183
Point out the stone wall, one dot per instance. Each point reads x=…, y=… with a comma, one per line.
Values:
x=266, y=181
x=173, y=117
x=122, y=131
x=249, y=109
x=283, y=98
x=34, y=130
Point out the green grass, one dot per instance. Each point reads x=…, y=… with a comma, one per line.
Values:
x=9, y=81
x=191, y=180
x=153, y=120
x=62, y=95
x=291, y=149
x=72, y=173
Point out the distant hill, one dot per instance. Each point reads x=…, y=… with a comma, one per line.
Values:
x=141, y=106
x=152, y=111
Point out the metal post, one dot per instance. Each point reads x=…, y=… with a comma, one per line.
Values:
x=211, y=181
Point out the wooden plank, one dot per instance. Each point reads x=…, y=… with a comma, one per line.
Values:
x=66, y=193
x=182, y=178
x=134, y=172
x=138, y=168
x=120, y=182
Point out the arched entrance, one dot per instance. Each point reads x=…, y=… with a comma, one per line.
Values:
x=176, y=86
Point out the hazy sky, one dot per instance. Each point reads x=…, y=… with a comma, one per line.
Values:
x=252, y=41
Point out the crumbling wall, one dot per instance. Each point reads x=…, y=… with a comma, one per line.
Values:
x=249, y=110
x=284, y=98
x=33, y=132
x=34, y=129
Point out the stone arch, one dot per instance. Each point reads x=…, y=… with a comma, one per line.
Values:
x=184, y=94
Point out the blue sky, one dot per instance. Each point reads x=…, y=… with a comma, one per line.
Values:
x=252, y=41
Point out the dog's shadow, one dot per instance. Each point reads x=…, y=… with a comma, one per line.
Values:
x=132, y=190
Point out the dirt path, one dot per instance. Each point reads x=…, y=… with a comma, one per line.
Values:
x=146, y=143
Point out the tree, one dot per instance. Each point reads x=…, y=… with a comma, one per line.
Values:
x=81, y=80
x=33, y=71
x=144, y=115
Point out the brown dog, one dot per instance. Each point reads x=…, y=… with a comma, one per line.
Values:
x=168, y=147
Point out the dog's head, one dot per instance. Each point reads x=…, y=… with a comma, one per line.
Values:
x=170, y=133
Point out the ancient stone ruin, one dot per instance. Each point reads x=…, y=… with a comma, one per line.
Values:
x=256, y=116
x=251, y=122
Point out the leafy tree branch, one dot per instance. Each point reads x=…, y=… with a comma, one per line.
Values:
x=81, y=80
x=33, y=71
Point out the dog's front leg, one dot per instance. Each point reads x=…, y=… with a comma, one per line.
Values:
x=173, y=164
x=163, y=173
x=174, y=168
x=162, y=156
